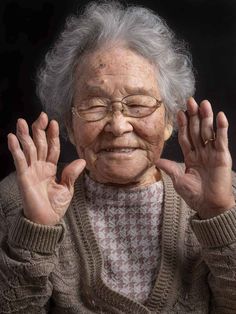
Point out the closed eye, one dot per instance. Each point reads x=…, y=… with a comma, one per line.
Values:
x=93, y=108
x=133, y=105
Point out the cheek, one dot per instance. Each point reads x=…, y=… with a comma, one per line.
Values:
x=151, y=133
x=85, y=137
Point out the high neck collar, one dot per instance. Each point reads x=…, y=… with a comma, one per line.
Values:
x=122, y=196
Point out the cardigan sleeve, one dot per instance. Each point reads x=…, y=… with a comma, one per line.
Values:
x=28, y=255
x=217, y=237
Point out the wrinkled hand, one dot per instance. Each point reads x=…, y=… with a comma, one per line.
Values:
x=45, y=201
x=206, y=184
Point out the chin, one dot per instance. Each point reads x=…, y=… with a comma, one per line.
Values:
x=124, y=175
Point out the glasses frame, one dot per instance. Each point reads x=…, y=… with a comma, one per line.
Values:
x=110, y=110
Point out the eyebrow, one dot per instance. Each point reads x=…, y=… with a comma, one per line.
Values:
x=130, y=90
x=95, y=88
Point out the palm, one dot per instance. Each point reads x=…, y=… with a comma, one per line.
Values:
x=205, y=184
x=206, y=177
x=45, y=200
x=41, y=192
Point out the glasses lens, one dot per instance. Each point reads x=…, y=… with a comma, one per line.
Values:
x=93, y=109
x=140, y=105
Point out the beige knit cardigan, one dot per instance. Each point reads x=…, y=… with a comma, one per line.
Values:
x=57, y=269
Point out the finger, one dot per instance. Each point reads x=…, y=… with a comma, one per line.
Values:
x=171, y=168
x=53, y=142
x=17, y=153
x=206, y=113
x=39, y=136
x=183, y=136
x=29, y=149
x=194, y=123
x=71, y=172
x=221, y=142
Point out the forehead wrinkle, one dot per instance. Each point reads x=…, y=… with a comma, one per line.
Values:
x=93, y=87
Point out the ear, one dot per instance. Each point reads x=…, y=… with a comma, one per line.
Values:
x=168, y=131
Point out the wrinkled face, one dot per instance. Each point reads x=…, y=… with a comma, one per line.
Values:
x=117, y=149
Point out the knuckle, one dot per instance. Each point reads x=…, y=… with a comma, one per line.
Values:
x=32, y=148
x=20, y=157
x=29, y=146
x=54, y=142
x=55, y=149
x=42, y=141
x=43, y=145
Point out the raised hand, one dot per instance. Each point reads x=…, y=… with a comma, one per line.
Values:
x=206, y=184
x=45, y=200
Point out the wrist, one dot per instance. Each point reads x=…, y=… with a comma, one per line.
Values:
x=213, y=212
x=43, y=219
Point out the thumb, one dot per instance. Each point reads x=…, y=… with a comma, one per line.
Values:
x=71, y=172
x=171, y=168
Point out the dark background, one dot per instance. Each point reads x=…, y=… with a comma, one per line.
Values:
x=28, y=28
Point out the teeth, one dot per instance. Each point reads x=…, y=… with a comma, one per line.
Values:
x=120, y=150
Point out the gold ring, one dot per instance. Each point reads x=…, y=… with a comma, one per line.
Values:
x=212, y=139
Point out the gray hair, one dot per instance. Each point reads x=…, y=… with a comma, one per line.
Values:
x=104, y=22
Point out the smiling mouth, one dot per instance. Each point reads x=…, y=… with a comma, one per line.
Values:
x=119, y=150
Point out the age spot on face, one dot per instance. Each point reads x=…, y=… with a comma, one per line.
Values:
x=102, y=65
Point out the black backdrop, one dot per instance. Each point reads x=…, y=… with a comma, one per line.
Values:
x=28, y=28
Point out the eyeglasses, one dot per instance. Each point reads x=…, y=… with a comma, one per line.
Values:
x=96, y=108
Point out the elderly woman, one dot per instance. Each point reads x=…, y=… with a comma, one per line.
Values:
x=118, y=230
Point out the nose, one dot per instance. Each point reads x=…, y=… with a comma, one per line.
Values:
x=117, y=123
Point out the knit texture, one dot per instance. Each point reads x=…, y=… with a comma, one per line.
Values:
x=127, y=225
x=197, y=272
